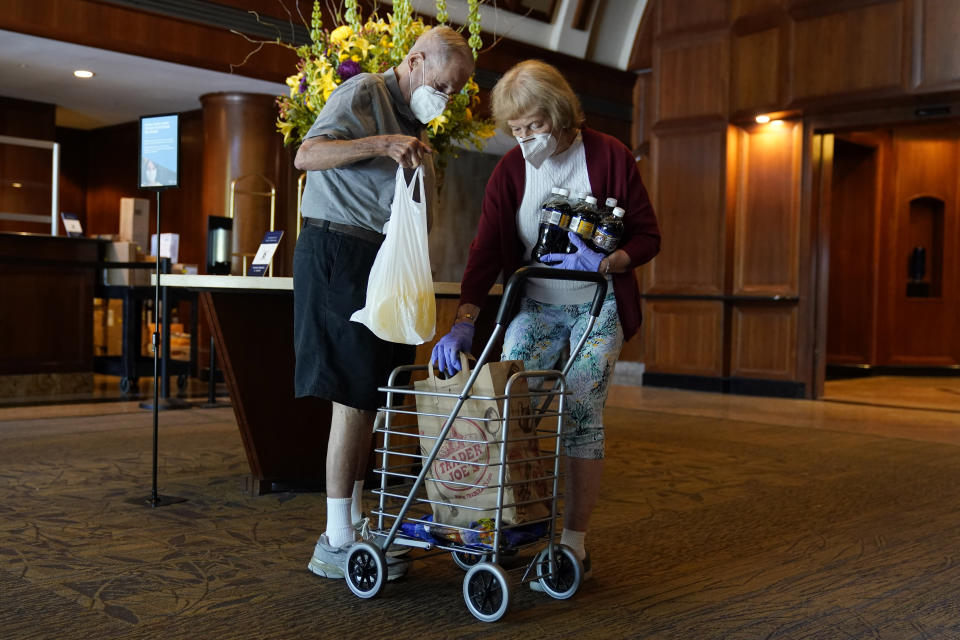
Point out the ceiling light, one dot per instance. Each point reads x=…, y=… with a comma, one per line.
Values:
x=763, y=119
x=83, y=73
x=777, y=123
x=16, y=185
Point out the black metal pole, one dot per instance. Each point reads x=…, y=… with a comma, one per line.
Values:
x=156, y=361
x=155, y=499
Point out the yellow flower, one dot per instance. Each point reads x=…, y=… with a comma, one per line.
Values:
x=437, y=124
x=340, y=33
x=355, y=58
x=343, y=56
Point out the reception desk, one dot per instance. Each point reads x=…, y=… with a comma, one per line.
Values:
x=46, y=324
x=251, y=321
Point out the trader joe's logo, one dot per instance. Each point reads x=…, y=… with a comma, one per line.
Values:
x=464, y=458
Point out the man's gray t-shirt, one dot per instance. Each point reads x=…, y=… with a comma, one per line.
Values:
x=360, y=193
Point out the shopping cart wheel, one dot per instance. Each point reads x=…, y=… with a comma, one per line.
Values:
x=467, y=561
x=564, y=580
x=366, y=569
x=486, y=590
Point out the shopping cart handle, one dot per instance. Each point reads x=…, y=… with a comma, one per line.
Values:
x=514, y=288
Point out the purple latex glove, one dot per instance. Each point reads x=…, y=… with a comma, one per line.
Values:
x=446, y=353
x=584, y=259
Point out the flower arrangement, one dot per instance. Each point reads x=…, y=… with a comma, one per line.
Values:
x=374, y=46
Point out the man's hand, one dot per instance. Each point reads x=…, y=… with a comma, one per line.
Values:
x=407, y=151
x=321, y=153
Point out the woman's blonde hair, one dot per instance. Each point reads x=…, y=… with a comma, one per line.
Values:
x=533, y=86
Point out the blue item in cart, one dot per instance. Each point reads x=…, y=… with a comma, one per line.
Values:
x=479, y=535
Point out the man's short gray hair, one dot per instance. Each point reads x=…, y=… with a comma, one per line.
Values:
x=445, y=43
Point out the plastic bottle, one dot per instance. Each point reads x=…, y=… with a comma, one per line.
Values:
x=554, y=218
x=607, y=234
x=584, y=218
x=607, y=207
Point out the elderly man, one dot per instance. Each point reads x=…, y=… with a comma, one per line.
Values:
x=369, y=124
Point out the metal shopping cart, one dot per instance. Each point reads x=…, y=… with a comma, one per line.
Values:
x=405, y=518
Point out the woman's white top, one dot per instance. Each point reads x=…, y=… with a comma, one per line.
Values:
x=569, y=171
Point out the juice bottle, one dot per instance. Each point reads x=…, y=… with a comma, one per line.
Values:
x=554, y=215
x=607, y=234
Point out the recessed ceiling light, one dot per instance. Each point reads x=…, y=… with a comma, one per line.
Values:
x=777, y=123
x=763, y=119
x=16, y=185
x=83, y=73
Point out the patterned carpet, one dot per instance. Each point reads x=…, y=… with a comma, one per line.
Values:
x=708, y=528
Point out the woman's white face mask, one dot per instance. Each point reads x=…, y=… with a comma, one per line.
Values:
x=426, y=102
x=537, y=147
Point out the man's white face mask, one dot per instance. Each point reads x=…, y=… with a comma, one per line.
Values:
x=426, y=102
x=537, y=148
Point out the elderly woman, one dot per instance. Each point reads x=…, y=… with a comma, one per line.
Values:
x=536, y=105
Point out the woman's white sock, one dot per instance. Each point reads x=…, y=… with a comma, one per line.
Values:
x=574, y=540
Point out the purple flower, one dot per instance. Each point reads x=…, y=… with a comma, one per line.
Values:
x=303, y=83
x=348, y=69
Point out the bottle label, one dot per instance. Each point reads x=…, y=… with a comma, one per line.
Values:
x=604, y=240
x=583, y=227
x=550, y=216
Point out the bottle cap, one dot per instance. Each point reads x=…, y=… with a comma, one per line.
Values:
x=611, y=202
x=591, y=199
x=618, y=211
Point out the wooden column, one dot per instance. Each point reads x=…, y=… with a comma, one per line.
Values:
x=240, y=140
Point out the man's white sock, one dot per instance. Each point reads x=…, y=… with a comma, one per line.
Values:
x=356, y=509
x=574, y=540
x=339, y=526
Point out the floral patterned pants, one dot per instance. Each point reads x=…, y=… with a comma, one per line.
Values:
x=541, y=334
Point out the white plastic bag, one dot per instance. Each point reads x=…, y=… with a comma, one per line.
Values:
x=400, y=304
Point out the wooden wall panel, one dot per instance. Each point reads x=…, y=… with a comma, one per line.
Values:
x=684, y=337
x=937, y=56
x=28, y=167
x=690, y=195
x=691, y=15
x=699, y=82
x=764, y=342
x=848, y=52
x=851, y=307
x=922, y=331
x=756, y=71
x=766, y=252
x=744, y=8
x=106, y=26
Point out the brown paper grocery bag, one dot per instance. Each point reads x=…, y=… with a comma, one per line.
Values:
x=477, y=462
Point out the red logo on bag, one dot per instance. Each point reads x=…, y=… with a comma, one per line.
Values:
x=465, y=462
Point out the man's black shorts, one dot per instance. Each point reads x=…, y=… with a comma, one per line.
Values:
x=338, y=359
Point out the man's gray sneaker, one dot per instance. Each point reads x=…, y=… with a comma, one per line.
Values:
x=329, y=561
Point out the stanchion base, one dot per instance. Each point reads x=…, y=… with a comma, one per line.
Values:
x=166, y=404
x=158, y=501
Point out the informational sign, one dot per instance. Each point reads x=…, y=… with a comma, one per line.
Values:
x=160, y=151
x=71, y=223
x=268, y=246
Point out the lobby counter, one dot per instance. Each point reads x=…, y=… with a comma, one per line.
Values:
x=46, y=324
x=251, y=321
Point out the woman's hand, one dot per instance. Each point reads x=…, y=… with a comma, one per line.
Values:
x=584, y=259
x=446, y=353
